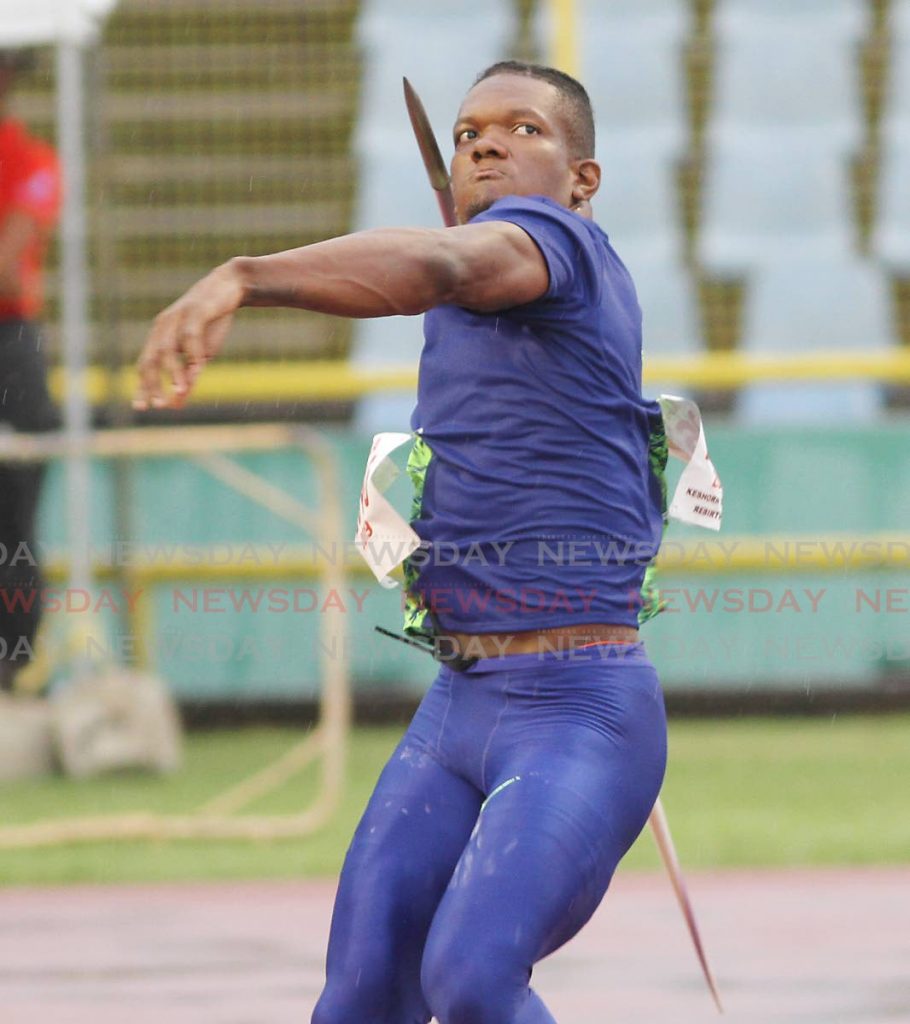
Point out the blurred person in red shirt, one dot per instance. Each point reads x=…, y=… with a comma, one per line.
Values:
x=29, y=206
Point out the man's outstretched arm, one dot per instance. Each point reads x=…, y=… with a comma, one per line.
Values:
x=486, y=267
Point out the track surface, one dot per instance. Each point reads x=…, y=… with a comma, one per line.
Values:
x=803, y=947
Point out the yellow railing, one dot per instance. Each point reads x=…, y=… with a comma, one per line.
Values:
x=838, y=552
x=341, y=381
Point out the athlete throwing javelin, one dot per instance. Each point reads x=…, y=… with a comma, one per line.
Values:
x=537, y=754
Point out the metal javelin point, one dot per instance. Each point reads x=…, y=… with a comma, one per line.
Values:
x=439, y=178
x=433, y=160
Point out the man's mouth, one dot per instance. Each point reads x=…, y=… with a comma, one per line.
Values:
x=487, y=174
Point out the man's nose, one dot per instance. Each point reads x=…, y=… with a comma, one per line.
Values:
x=487, y=145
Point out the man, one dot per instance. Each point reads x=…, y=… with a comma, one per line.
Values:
x=535, y=758
x=29, y=204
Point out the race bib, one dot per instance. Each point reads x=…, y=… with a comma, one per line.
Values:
x=384, y=538
x=699, y=496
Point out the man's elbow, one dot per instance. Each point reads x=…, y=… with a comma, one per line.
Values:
x=438, y=281
x=491, y=267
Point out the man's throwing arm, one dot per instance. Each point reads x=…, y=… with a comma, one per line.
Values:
x=385, y=272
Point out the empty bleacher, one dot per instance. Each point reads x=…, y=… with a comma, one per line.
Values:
x=731, y=132
x=824, y=304
x=440, y=48
x=214, y=128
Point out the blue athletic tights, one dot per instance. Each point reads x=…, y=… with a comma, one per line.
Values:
x=492, y=835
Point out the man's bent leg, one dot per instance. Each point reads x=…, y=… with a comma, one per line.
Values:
x=544, y=850
x=400, y=861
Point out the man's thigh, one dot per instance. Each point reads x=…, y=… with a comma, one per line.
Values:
x=401, y=858
x=568, y=803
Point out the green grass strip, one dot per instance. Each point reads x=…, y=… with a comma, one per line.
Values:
x=750, y=792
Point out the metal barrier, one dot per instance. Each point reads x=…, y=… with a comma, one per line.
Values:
x=216, y=819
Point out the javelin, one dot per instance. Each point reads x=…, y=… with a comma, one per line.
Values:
x=439, y=178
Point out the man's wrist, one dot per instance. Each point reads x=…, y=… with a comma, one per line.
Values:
x=238, y=271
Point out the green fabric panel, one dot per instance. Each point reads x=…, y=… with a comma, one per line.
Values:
x=657, y=459
x=415, y=615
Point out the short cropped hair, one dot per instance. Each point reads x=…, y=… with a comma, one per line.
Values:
x=579, y=116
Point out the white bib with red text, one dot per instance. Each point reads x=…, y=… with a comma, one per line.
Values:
x=383, y=538
x=699, y=496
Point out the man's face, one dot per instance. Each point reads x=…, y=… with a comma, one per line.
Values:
x=510, y=139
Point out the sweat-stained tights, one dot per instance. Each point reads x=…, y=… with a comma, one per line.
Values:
x=492, y=835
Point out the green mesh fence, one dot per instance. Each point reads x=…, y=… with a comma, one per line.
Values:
x=214, y=128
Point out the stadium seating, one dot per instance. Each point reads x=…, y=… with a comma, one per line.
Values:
x=771, y=192
x=831, y=20
x=440, y=48
x=631, y=64
x=900, y=19
x=636, y=204
x=667, y=17
x=636, y=82
x=394, y=189
x=215, y=128
x=670, y=320
x=797, y=306
x=897, y=102
x=777, y=77
x=891, y=239
x=891, y=232
x=671, y=325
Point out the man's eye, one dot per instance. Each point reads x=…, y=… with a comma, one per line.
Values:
x=466, y=135
x=527, y=129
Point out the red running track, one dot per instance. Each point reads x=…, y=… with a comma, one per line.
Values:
x=802, y=947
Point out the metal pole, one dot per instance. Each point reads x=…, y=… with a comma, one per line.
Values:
x=564, y=39
x=74, y=304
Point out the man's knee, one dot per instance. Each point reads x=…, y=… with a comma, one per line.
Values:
x=470, y=986
x=342, y=1004
x=360, y=1000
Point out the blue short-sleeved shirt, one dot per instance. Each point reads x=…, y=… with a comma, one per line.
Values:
x=538, y=463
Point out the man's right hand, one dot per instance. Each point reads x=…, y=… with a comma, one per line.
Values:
x=185, y=336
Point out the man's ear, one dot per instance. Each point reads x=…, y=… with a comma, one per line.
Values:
x=587, y=180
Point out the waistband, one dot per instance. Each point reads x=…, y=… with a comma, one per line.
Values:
x=633, y=653
x=555, y=638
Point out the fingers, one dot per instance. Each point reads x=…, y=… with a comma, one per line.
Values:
x=185, y=336
x=191, y=342
x=175, y=350
x=148, y=390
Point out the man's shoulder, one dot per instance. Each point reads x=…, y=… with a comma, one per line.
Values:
x=548, y=222
x=538, y=206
